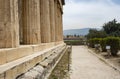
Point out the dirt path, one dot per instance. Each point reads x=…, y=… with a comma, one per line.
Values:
x=86, y=66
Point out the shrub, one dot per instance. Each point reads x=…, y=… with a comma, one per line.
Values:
x=94, y=41
x=119, y=43
x=114, y=43
x=91, y=43
x=103, y=44
x=74, y=42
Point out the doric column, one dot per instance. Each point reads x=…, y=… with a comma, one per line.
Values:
x=31, y=22
x=52, y=20
x=61, y=26
x=56, y=21
x=9, y=27
x=45, y=21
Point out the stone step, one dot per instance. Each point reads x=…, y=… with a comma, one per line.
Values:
x=14, y=68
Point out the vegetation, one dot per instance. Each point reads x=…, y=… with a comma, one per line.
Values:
x=61, y=71
x=112, y=28
x=108, y=36
x=114, y=43
x=103, y=44
x=93, y=33
x=74, y=42
x=94, y=41
x=74, y=39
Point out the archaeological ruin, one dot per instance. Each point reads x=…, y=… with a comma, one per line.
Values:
x=31, y=38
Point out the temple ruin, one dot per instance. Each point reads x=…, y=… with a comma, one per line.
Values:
x=30, y=32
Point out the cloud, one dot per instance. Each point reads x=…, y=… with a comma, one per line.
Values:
x=89, y=13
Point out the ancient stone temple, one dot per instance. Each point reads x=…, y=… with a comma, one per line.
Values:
x=30, y=33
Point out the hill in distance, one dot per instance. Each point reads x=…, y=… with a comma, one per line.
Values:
x=83, y=31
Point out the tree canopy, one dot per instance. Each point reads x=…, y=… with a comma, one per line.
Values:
x=112, y=28
x=93, y=33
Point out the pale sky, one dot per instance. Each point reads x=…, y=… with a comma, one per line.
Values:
x=89, y=13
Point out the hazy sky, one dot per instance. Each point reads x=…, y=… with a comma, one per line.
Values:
x=90, y=13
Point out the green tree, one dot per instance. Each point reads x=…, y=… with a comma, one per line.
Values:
x=93, y=33
x=75, y=35
x=68, y=36
x=112, y=28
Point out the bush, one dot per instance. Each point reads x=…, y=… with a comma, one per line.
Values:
x=91, y=43
x=119, y=44
x=103, y=44
x=74, y=42
x=114, y=43
x=94, y=41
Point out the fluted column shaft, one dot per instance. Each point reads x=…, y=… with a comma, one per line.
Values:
x=52, y=20
x=9, y=27
x=61, y=27
x=31, y=22
x=59, y=24
x=56, y=22
x=45, y=21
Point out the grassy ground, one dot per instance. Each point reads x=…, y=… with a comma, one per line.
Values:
x=61, y=71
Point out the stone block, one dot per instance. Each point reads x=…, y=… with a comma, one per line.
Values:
x=11, y=73
x=2, y=76
x=38, y=48
x=2, y=57
x=38, y=58
x=31, y=75
x=39, y=69
x=30, y=64
x=25, y=51
x=21, y=68
x=12, y=54
x=48, y=45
